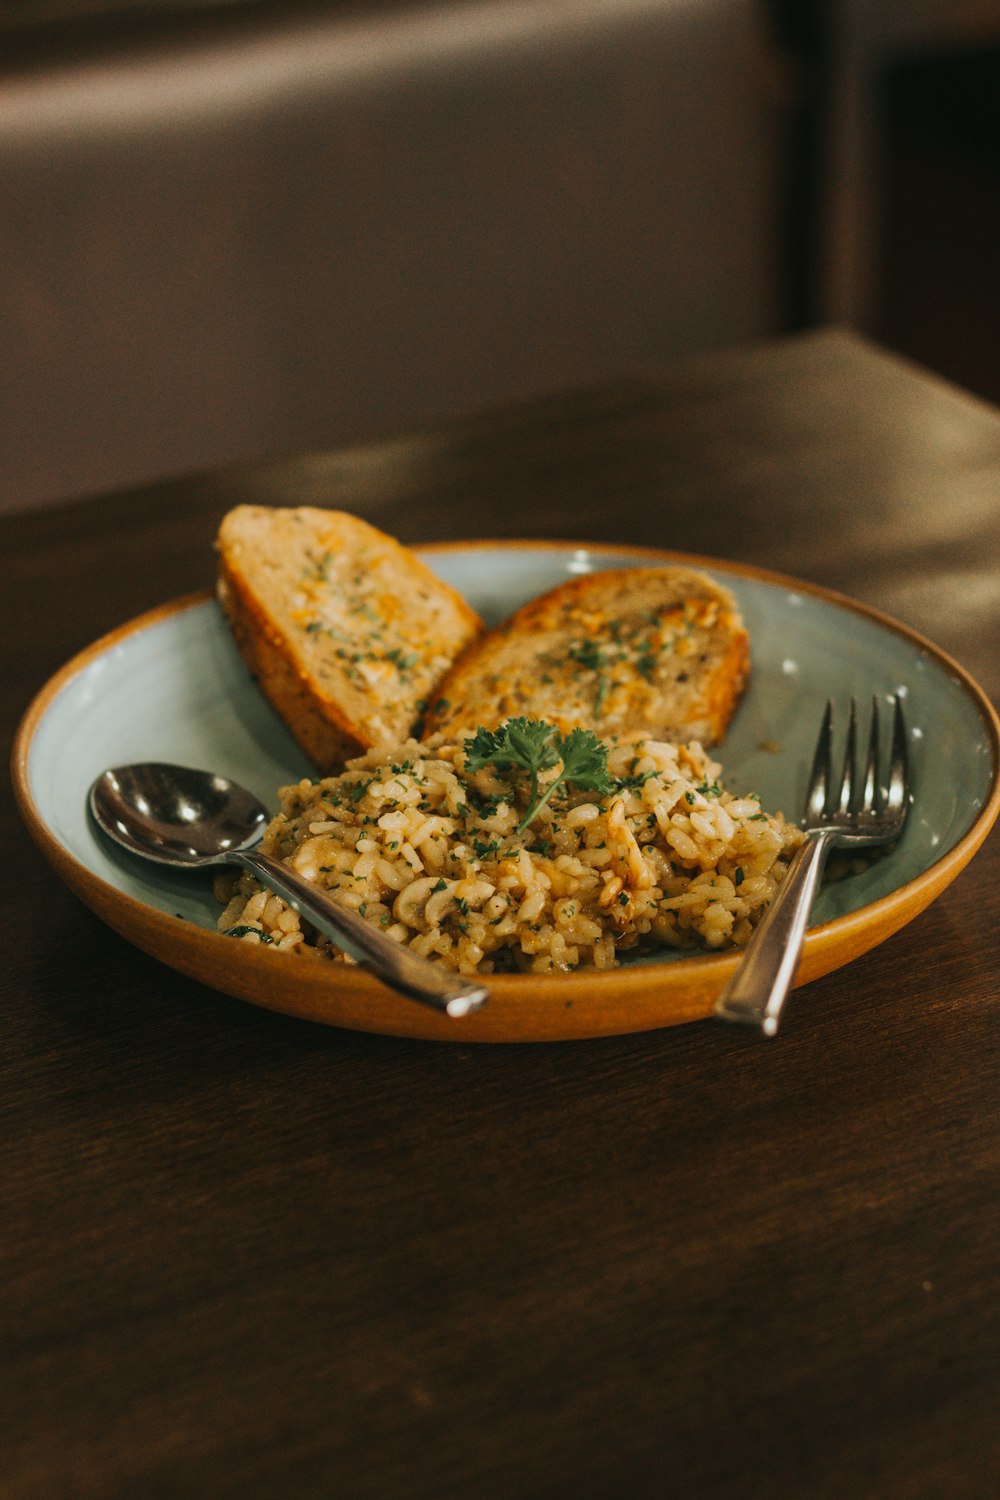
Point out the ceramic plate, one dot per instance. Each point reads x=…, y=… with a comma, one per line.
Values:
x=171, y=686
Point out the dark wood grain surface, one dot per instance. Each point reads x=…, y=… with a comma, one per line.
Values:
x=247, y=1256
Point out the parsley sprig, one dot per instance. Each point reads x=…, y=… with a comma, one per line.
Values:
x=533, y=746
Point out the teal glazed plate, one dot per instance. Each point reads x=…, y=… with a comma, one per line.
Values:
x=171, y=686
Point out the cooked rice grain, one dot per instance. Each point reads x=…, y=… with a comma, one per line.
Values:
x=428, y=853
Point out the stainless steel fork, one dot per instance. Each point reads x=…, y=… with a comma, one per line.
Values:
x=846, y=815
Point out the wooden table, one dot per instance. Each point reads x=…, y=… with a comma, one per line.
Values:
x=248, y=1256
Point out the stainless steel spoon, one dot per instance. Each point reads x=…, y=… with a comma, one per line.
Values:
x=194, y=820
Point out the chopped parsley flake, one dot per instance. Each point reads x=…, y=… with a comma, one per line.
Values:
x=244, y=929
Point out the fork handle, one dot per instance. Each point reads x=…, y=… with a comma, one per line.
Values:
x=756, y=994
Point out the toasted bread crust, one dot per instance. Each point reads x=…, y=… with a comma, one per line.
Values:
x=660, y=652
x=346, y=631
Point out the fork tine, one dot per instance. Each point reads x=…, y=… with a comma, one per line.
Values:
x=869, y=795
x=898, y=766
x=849, y=776
x=821, y=775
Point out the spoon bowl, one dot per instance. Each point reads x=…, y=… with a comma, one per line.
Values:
x=175, y=815
x=191, y=819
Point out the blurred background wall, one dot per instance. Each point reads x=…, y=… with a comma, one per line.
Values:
x=232, y=231
x=900, y=175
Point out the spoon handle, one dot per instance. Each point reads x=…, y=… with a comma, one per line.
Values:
x=397, y=966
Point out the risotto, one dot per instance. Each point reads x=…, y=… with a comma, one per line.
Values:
x=428, y=850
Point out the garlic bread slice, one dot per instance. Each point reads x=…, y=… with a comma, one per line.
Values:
x=347, y=632
x=660, y=652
